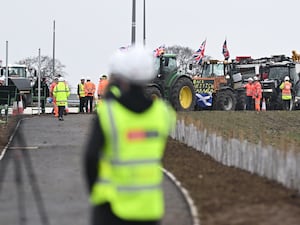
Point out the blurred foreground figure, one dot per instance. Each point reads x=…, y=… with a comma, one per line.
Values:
x=122, y=160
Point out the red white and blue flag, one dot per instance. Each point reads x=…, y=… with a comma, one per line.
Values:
x=159, y=51
x=225, y=50
x=199, y=54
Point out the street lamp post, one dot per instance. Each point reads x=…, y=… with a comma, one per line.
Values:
x=133, y=26
x=144, y=33
x=53, y=62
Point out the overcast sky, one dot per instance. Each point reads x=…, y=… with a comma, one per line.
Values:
x=89, y=31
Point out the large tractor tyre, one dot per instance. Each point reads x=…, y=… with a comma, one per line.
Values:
x=241, y=100
x=225, y=101
x=183, y=96
x=152, y=92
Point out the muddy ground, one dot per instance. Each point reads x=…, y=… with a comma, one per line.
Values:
x=230, y=196
x=223, y=195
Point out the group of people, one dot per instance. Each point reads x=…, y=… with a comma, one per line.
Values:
x=86, y=90
x=254, y=93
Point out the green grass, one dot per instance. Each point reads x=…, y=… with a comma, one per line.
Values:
x=280, y=129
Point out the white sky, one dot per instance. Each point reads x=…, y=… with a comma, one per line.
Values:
x=89, y=31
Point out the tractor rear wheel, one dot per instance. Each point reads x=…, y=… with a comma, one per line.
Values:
x=241, y=100
x=152, y=92
x=183, y=97
x=225, y=100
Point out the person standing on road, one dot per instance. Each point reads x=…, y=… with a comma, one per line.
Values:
x=103, y=82
x=122, y=160
x=286, y=91
x=52, y=86
x=81, y=95
x=249, y=94
x=89, y=89
x=61, y=93
x=257, y=93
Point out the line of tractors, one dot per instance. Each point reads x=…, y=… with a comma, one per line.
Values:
x=216, y=85
x=219, y=85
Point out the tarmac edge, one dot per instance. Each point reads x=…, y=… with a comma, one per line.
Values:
x=186, y=196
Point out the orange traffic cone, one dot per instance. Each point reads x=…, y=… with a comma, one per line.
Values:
x=263, y=105
x=15, y=108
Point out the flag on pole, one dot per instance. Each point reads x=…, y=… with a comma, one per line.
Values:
x=225, y=50
x=199, y=54
x=159, y=51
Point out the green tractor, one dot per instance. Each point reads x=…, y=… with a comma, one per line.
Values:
x=169, y=84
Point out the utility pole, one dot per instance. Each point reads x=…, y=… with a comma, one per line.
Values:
x=39, y=81
x=144, y=33
x=133, y=23
x=6, y=66
x=53, y=69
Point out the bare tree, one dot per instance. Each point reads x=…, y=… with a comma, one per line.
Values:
x=184, y=56
x=46, y=66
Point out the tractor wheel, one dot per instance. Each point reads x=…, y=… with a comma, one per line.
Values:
x=183, y=96
x=225, y=100
x=152, y=92
x=241, y=100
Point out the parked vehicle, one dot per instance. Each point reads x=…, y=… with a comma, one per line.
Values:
x=19, y=81
x=171, y=85
x=218, y=88
x=277, y=70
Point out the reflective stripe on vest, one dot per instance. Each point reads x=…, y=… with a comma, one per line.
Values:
x=129, y=173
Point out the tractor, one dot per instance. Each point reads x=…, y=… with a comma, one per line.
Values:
x=18, y=80
x=280, y=67
x=218, y=88
x=171, y=85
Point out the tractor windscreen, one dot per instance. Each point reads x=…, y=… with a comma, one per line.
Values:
x=213, y=70
x=15, y=71
x=278, y=72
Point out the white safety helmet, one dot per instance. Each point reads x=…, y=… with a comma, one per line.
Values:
x=255, y=78
x=88, y=78
x=250, y=79
x=286, y=78
x=136, y=65
x=82, y=78
x=61, y=79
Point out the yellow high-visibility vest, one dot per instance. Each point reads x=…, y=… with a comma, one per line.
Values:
x=61, y=93
x=81, y=90
x=130, y=175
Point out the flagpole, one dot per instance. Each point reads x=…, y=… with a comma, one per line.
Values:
x=39, y=81
x=53, y=63
x=144, y=34
x=6, y=65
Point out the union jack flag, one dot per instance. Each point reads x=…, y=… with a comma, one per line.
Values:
x=159, y=51
x=199, y=54
x=225, y=51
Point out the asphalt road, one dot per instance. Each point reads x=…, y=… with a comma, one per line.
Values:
x=49, y=162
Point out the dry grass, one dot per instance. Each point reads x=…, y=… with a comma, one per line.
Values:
x=280, y=129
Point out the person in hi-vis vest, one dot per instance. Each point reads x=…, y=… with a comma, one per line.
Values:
x=81, y=95
x=122, y=158
x=286, y=93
